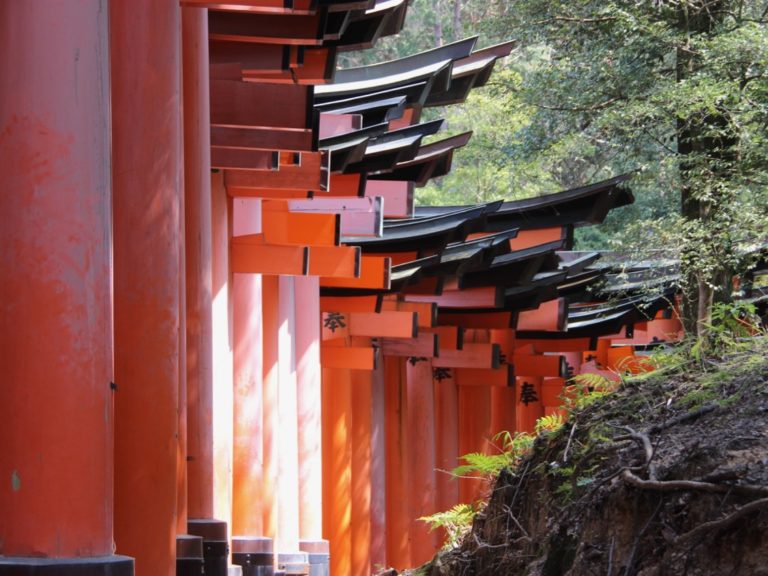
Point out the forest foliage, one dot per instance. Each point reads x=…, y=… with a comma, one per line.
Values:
x=676, y=90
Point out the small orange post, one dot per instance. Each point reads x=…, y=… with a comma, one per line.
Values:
x=56, y=398
x=397, y=473
x=337, y=457
x=474, y=432
x=421, y=458
x=446, y=440
x=361, y=473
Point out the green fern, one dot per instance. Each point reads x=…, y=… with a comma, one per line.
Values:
x=456, y=522
x=549, y=424
x=590, y=387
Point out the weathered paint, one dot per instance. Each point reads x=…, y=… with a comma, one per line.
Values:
x=55, y=271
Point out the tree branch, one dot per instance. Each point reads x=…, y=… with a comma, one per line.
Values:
x=593, y=108
x=722, y=523
x=675, y=485
x=577, y=20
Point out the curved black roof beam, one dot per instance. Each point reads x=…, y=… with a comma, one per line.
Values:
x=448, y=52
x=578, y=206
x=431, y=161
x=420, y=235
x=373, y=112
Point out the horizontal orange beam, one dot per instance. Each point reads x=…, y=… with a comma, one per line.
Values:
x=550, y=316
x=237, y=192
x=347, y=185
x=311, y=174
x=472, y=355
x=425, y=345
x=539, y=365
x=300, y=229
x=384, y=324
x=537, y=237
x=261, y=161
x=352, y=358
x=502, y=376
x=485, y=297
x=269, y=138
x=398, y=196
x=245, y=104
x=374, y=274
x=247, y=256
x=557, y=345
x=451, y=337
x=335, y=261
x=498, y=320
x=257, y=6
x=349, y=303
x=427, y=311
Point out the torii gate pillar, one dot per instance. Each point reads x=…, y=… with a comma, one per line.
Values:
x=56, y=399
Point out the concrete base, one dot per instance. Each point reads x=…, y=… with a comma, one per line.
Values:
x=99, y=566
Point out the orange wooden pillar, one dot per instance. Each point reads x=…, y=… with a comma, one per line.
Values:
x=337, y=465
x=56, y=399
x=397, y=473
x=446, y=441
x=378, y=469
x=474, y=432
x=197, y=253
x=147, y=181
x=288, y=456
x=421, y=458
x=503, y=397
x=222, y=412
x=360, y=497
x=309, y=408
x=271, y=382
x=248, y=447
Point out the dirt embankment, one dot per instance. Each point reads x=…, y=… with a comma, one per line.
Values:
x=669, y=475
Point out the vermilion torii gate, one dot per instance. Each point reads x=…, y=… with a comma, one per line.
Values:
x=229, y=339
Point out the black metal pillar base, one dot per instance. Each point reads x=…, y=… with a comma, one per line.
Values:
x=215, y=544
x=254, y=554
x=189, y=555
x=97, y=566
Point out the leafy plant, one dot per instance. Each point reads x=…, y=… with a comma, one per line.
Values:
x=456, y=522
x=586, y=389
x=549, y=424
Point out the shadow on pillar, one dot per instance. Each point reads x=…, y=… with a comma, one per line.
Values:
x=189, y=555
x=318, y=555
x=254, y=555
x=97, y=566
x=215, y=544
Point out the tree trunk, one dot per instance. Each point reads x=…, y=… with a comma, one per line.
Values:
x=457, y=20
x=704, y=139
x=438, y=23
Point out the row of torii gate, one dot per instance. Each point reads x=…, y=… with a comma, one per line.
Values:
x=228, y=339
